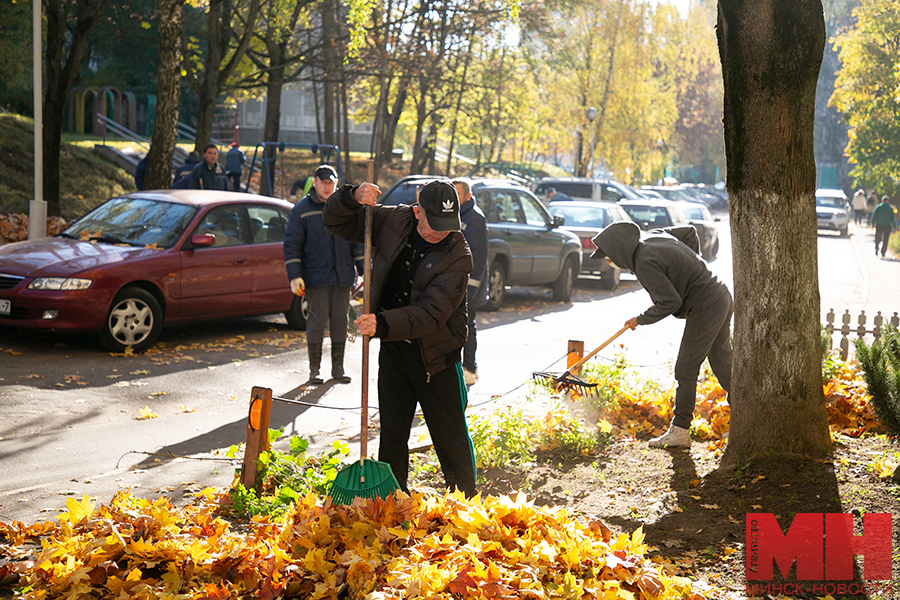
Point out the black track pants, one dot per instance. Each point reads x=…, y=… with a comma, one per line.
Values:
x=402, y=383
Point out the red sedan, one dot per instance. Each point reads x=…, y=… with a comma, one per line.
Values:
x=146, y=259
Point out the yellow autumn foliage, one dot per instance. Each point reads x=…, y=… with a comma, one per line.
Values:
x=406, y=546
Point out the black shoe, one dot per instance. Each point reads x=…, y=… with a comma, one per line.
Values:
x=315, y=380
x=342, y=378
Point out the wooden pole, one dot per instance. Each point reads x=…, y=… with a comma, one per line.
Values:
x=257, y=434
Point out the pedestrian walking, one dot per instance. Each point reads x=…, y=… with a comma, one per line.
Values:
x=871, y=203
x=182, y=178
x=474, y=228
x=209, y=174
x=859, y=206
x=680, y=284
x=551, y=194
x=324, y=268
x=885, y=221
x=234, y=164
x=420, y=271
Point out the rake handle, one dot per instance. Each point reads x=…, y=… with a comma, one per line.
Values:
x=367, y=297
x=571, y=370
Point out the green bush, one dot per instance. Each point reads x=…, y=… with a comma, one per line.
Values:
x=501, y=437
x=285, y=477
x=880, y=363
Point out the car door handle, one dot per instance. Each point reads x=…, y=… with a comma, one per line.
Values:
x=240, y=261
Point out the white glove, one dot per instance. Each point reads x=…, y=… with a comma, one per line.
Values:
x=297, y=286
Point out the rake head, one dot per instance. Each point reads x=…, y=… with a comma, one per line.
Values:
x=567, y=382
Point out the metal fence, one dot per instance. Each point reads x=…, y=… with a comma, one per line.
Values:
x=861, y=329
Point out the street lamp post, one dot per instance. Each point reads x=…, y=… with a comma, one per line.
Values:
x=591, y=114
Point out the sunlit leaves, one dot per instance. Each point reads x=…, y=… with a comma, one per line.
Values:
x=404, y=546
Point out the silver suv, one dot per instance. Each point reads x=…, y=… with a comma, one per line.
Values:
x=525, y=243
x=833, y=211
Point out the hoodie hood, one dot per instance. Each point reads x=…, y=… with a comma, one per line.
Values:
x=618, y=241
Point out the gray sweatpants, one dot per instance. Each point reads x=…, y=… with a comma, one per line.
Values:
x=327, y=304
x=707, y=333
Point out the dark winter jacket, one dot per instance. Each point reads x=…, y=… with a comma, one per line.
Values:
x=204, y=178
x=314, y=254
x=677, y=279
x=234, y=160
x=884, y=215
x=474, y=228
x=436, y=314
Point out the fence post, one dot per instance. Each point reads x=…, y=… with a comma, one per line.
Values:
x=575, y=353
x=257, y=434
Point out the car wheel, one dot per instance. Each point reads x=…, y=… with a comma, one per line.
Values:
x=298, y=312
x=134, y=320
x=562, y=287
x=496, y=287
x=610, y=280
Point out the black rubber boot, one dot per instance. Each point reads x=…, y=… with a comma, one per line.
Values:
x=315, y=360
x=337, y=363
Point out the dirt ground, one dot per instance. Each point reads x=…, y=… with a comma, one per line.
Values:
x=694, y=516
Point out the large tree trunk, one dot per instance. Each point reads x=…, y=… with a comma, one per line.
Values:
x=771, y=51
x=168, y=94
x=62, y=72
x=272, y=127
x=329, y=57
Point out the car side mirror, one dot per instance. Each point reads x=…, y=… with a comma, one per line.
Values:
x=203, y=240
x=558, y=221
x=717, y=219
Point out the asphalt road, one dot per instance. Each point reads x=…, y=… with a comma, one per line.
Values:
x=70, y=410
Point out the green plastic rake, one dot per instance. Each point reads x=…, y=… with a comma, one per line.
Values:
x=366, y=478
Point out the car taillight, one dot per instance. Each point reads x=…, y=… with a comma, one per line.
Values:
x=587, y=244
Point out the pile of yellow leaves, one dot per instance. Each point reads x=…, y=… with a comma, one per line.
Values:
x=405, y=546
x=649, y=412
x=14, y=228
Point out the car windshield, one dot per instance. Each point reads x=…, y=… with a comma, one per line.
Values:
x=580, y=216
x=648, y=217
x=830, y=202
x=133, y=221
x=404, y=193
x=575, y=189
x=695, y=212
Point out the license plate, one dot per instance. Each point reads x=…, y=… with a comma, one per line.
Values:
x=5, y=307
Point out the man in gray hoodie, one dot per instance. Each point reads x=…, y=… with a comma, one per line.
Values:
x=680, y=284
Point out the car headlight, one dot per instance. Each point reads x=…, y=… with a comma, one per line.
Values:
x=59, y=283
x=840, y=214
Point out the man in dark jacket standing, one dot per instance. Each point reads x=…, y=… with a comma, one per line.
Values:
x=474, y=228
x=208, y=174
x=420, y=271
x=321, y=266
x=234, y=164
x=679, y=284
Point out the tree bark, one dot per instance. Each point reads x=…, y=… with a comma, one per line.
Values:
x=329, y=57
x=62, y=73
x=272, y=127
x=771, y=51
x=170, y=14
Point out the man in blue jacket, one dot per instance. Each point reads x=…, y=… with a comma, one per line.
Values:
x=234, y=163
x=321, y=266
x=474, y=228
x=679, y=284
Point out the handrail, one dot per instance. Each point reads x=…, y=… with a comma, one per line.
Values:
x=459, y=157
x=121, y=131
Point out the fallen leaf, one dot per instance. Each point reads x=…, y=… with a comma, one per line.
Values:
x=710, y=506
x=146, y=413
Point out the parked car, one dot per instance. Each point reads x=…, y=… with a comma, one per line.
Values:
x=833, y=211
x=584, y=188
x=586, y=219
x=148, y=259
x=654, y=214
x=525, y=243
x=699, y=216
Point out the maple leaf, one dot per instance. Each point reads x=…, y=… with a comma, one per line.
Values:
x=145, y=413
x=77, y=511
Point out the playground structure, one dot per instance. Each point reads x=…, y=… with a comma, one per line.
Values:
x=267, y=154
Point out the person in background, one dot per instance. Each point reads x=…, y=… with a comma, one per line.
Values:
x=140, y=173
x=859, y=206
x=474, y=228
x=182, y=177
x=552, y=194
x=300, y=188
x=679, y=283
x=209, y=174
x=420, y=272
x=324, y=268
x=871, y=203
x=885, y=221
x=234, y=163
